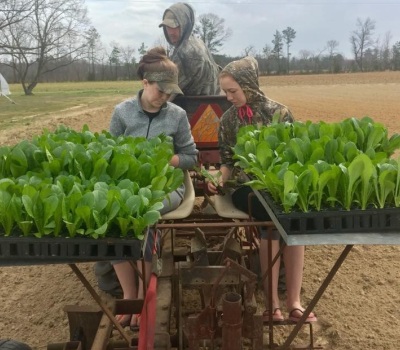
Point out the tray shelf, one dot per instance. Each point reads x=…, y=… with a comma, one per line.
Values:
x=374, y=226
x=31, y=250
x=336, y=220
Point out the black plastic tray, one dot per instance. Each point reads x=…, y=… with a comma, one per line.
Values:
x=26, y=250
x=336, y=220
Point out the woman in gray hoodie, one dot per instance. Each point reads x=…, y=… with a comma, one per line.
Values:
x=150, y=114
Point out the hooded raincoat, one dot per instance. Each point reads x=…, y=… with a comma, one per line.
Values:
x=198, y=72
x=259, y=108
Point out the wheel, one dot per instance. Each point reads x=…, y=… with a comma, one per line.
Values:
x=9, y=344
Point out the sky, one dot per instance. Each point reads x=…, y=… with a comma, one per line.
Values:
x=252, y=22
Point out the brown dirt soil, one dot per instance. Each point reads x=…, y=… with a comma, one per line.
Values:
x=359, y=309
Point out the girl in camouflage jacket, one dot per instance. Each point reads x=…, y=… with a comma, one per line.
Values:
x=239, y=81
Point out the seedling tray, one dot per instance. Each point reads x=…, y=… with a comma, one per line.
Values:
x=336, y=220
x=27, y=250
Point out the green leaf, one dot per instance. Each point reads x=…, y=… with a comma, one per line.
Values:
x=303, y=185
x=17, y=162
x=151, y=217
x=6, y=217
x=289, y=197
x=119, y=166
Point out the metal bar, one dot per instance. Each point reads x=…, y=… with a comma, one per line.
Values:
x=216, y=224
x=232, y=321
x=84, y=322
x=200, y=275
x=98, y=300
x=103, y=333
x=270, y=308
x=317, y=296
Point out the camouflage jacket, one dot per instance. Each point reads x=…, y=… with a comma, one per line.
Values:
x=198, y=72
x=245, y=72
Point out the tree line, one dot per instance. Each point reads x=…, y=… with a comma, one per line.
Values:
x=53, y=40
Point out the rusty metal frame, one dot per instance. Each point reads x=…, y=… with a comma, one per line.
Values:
x=98, y=300
x=206, y=324
x=316, y=297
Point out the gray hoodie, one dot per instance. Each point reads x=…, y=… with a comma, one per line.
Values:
x=129, y=119
x=198, y=72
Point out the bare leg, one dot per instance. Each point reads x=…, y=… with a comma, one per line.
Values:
x=275, y=272
x=127, y=278
x=294, y=264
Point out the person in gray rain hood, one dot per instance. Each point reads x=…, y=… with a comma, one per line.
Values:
x=198, y=72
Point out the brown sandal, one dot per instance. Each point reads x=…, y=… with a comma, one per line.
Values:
x=123, y=320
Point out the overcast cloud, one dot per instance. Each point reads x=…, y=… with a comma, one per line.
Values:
x=253, y=22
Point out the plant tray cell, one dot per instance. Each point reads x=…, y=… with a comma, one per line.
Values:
x=24, y=250
x=336, y=220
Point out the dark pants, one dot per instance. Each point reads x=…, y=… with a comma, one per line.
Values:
x=242, y=201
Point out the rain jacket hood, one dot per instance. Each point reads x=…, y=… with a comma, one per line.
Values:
x=245, y=72
x=198, y=72
x=262, y=109
x=184, y=15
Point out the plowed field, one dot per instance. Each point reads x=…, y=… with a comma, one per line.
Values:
x=360, y=309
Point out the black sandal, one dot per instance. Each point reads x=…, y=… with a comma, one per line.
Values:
x=296, y=319
x=275, y=316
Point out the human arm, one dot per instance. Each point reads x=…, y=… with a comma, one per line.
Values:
x=117, y=126
x=286, y=115
x=185, y=156
x=226, y=140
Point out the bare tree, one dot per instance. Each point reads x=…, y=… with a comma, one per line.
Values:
x=14, y=11
x=249, y=51
x=331, y=46
x=396, y=56
x=288, y=35
x=53, y=36
x=266, y=59
x=128, y=58
x=305, y=60
x=384, y=51
x=277, y=49
x=361, y=39
x=211, y=29
x=162, y=41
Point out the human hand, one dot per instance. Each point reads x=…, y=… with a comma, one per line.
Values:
x=214, y=180
x=174, y=161
x=214, y=188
